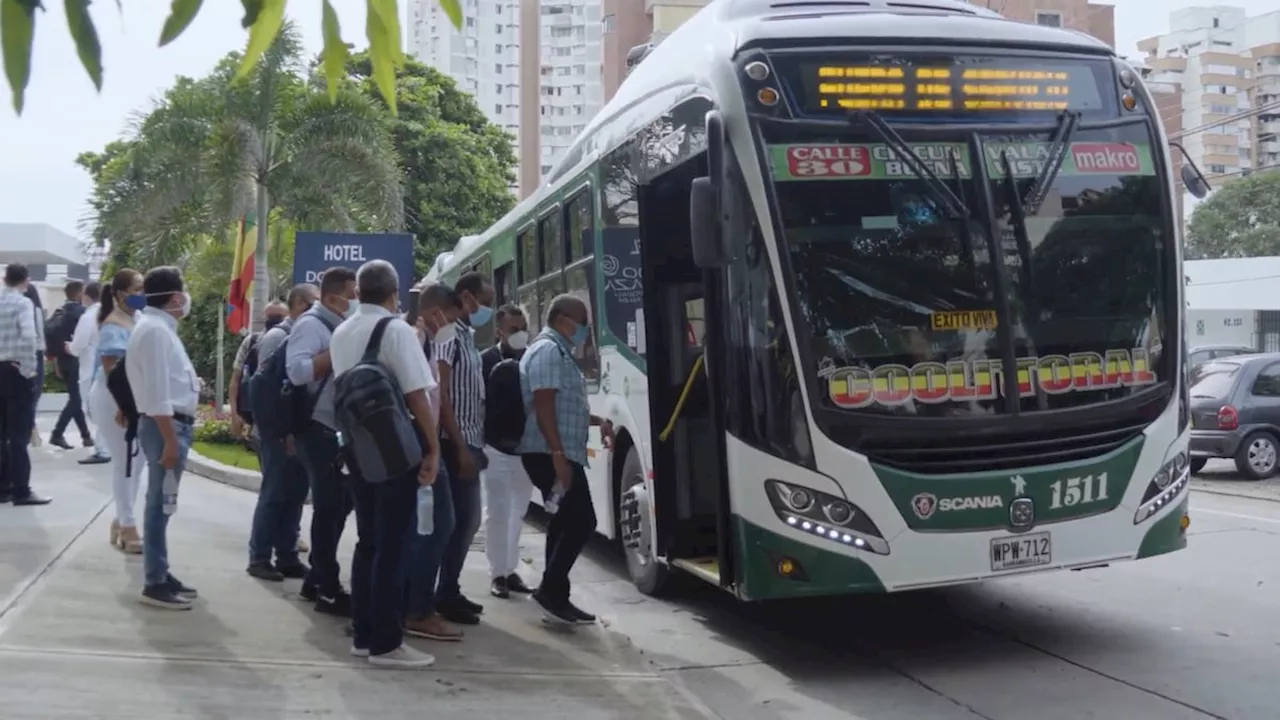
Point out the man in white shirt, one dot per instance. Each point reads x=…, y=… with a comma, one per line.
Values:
x=166, y=391
x=84, y=346
x=385, y=511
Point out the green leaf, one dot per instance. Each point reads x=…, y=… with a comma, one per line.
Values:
x=454, y=10
x=181, y=13
x=17, y=25
x=335, y=51
x=384, y=49
x=389, y=12
x=86, y=39
x=266, y=24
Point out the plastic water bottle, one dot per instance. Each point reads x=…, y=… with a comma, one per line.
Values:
x=426, y=510
x=552, y=503
x=170, y=492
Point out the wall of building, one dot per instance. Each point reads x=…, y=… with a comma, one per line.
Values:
x=1096, y=19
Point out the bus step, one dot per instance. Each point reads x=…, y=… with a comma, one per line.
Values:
x=704, y=568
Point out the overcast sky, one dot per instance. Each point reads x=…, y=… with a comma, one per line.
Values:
x=39, y=181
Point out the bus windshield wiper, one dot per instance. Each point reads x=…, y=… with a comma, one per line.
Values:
x=1053, y=163
x=955, y=207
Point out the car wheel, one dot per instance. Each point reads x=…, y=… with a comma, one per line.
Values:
x=1197, y=464
x=635, y=513
x=1257, y=457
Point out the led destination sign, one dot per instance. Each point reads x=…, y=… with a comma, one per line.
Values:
x=950, y=86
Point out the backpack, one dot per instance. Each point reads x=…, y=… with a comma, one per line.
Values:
x=378, y=435
x=278, y=406
x=243, y=397
x=504, y=416
x=58, y=329
x=122, y=392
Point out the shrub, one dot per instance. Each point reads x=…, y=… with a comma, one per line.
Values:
x=53, y=383
x=215, y=431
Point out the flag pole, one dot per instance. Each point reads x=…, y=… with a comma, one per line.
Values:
x=222, y=332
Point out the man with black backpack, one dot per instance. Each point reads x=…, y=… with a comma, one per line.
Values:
x=305, y=412
x=57, y=334
x=507, y=488
x=391, y=446
x=284, y=479
x=244, y=365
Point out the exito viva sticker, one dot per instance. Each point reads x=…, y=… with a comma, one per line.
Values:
x=961, y=380
x=963, y=320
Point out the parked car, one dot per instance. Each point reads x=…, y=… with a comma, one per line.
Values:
x=1205, y=353
x=1235, y=413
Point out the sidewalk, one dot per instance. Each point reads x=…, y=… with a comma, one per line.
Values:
x=74, y=643
x=1219, y=477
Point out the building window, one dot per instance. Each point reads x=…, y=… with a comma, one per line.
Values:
x=497, y=67
x=1215, y=22
x=497, y=108
x=1049, y=19
x=1217, y=169
x=471, y=22
x=609, y=23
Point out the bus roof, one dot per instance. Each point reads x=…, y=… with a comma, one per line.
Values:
x=723, y=27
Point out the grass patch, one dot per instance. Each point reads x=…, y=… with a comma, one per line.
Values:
x=234, y=455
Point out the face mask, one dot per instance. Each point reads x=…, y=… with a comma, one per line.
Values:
x=481, y=315
x=185, y=309
x=579, y=336
x=273, y=321
x=445, y=334
x=352, y=307
x=518, y=340
x=135, y=302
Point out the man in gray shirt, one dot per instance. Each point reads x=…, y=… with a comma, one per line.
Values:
x=284, y=479
x=307, y=364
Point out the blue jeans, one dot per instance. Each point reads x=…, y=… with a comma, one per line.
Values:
x=331, y=503
x=466, y=511
x=155, y=523
x=279, y=508
x=422, y=562
x=383, y=513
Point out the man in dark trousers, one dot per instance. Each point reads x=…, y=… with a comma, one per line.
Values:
x=67, y=366
x=21, y=348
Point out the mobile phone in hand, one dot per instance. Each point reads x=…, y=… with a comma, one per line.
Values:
x=411, y=316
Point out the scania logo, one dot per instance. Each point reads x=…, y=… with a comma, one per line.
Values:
x=924, y=505
x=1022, y=512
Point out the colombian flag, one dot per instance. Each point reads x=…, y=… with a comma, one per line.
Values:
x=241, y=289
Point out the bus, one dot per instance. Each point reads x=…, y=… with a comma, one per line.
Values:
x=885, y=296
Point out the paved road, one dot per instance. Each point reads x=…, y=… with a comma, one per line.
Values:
x=1190, y=635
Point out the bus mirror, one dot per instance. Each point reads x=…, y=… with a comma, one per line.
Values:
x=1192, y=179
x=704, y=225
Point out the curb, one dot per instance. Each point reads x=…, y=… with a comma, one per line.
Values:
x=198, y=464
x=1235, y=493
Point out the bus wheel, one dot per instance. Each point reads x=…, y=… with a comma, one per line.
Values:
x=635, y=524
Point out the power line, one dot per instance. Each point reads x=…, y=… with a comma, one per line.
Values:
x=1242, y=115
x=1232, y=281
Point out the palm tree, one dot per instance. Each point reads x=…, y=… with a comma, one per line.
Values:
x=213, y=151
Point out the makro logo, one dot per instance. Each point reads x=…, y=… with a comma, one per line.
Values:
x=1106, y=158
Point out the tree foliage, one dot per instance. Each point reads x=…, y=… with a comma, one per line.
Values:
x=458, y=166
x=1240, y=219
x=263, y=19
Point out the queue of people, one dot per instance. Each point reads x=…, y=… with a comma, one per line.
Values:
x=364, y=411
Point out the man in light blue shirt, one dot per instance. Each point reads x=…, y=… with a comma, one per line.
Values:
x=308, y=365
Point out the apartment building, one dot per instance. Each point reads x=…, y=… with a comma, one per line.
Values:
x=1097, y=19
x=1218, y=71
x=482, y=56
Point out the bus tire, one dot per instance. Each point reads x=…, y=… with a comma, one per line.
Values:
x=634, y=515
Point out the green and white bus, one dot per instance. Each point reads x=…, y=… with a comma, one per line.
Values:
x=886, y=295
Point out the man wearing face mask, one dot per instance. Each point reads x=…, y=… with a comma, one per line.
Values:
x=166, y=392
x=284, y=479
x=462, y=417
x=554, y=447
x=507, y=489
x=250, y=349
x=316, y=441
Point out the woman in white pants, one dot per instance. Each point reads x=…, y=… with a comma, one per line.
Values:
x=115, y=324
x=507, y=491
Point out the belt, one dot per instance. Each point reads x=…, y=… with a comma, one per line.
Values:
x=183, y=418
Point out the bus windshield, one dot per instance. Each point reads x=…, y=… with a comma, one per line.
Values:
x=899, y=296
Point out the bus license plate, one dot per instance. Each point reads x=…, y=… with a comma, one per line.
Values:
x=1021, y=551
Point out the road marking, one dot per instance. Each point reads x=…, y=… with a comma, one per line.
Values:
x=1273, y=521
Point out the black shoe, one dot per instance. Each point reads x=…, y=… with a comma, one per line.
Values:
x=462, y=603
x=555, y=612
x=31, y=499
x=163, y=597
x=295, y=570
x=458, y=616
x=582, y=617
x=95, y=459
x=264, y=571
x=498, y=588
x=337, y=604
x=86, y=441
x=515, y=584
x=308, y=592
x=175, y=585
x=6, y=497
x=59, y=441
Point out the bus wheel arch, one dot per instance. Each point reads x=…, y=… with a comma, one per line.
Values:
x=633, y=518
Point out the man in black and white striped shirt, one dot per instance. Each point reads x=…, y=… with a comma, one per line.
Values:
x=462, y=385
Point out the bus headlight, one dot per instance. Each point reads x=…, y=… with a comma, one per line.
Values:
x=827, y=516
x=1165, y=486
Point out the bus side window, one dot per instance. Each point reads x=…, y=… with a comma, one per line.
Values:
x=527, y=254
x=503, y=284
x=579, y=279
x=551, y=242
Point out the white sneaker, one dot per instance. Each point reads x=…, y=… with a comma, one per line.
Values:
x=403, y=657
x=359, y=652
